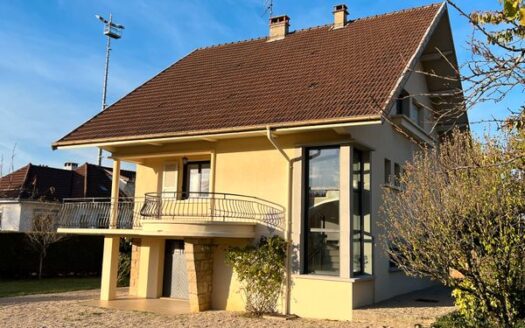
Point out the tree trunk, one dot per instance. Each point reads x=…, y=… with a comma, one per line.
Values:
x=40, y=265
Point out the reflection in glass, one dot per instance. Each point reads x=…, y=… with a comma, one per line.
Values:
x=362, y=240
x=322, y=211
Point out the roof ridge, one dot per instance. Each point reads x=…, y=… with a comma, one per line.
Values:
x=400, y=11
x=395, y=12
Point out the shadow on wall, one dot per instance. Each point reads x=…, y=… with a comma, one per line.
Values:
x=436, y=296
x=222, y=276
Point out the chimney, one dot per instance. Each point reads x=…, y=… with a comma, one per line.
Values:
x=340, y=16
x=279, y=27
x=70, y=166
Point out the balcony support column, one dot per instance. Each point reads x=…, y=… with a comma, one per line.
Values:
x=115, y=193
x=151, y=268
x=199, y=263
x=108, y=284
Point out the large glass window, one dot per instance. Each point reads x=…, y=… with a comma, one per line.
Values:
x=362, y=247
x=322, y=211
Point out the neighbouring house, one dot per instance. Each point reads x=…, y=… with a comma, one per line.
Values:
x=35, y=189
x=295, y=134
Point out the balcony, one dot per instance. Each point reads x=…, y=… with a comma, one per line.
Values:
x=172, y=214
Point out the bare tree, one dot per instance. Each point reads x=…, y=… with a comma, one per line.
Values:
x=460, y=219
x=44, y=233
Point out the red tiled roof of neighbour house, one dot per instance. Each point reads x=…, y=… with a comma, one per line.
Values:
x=46, y=183
x=11, y=184
x=313, y=75
x=36, y=182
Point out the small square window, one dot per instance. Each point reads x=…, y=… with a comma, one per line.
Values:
x=388, y=171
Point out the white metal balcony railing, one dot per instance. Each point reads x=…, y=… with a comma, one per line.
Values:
x=94, y=213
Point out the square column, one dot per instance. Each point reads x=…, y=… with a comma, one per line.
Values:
x=151, y=268
x=115, y=194
x=199, y=263
x=108, y=286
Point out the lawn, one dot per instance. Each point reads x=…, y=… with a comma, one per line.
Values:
x=46, y=286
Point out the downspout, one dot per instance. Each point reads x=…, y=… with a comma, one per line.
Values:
x=288, y=220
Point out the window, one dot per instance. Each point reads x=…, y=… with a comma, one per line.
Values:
x=321, y=181
x=397, y=175
x=408, y=106
x=403, y=104
x=388, y=171
x=196, y=179
x=170, y=178
x=420, y=115
x=362, y=240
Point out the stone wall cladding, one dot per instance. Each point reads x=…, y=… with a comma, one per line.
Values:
x=134, y=268
x=199, y=263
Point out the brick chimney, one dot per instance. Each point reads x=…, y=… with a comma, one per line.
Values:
x=278, y=27
x=340, y=16
x=70, y=166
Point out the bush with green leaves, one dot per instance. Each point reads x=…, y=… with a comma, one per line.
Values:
x=261, y=271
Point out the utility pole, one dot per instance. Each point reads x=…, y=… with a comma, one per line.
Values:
x=111, y=31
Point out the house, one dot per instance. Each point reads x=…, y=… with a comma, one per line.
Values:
x=296, y=134
x=35, y=189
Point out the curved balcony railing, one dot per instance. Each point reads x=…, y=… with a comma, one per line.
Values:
x=170, y=206
x=94, y=213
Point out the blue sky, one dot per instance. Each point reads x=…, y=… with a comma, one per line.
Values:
x=52, y=57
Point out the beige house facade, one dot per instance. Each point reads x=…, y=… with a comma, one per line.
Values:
x=311, y=169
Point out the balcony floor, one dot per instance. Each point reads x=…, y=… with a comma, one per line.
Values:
x=170, y=228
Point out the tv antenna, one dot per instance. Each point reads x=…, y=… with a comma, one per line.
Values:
x=268, y=5
x=111, y=31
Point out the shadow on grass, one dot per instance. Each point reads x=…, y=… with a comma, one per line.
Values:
x=16, y=288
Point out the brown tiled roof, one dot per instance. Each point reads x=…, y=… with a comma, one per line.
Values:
x=314, y=75
x=46, y=183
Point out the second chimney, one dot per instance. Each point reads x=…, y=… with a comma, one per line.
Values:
x=70, y=166
x=340, y=16
x=279, y=26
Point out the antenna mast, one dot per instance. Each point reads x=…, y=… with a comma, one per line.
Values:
x=269, y=7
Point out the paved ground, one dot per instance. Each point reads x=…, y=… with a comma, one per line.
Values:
x=72, y=310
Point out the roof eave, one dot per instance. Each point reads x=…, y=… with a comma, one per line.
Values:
x=290, y=127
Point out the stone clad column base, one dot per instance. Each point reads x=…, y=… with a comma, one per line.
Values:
x=134, y=267
x=199, y=263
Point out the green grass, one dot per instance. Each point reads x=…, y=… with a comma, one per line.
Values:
x=46, y=286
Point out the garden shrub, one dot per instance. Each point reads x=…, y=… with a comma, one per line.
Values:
x=261, y=270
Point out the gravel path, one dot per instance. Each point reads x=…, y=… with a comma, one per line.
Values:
x=68, y=310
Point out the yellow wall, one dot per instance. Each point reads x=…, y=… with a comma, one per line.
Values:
x=322, y=298
x=251, y=166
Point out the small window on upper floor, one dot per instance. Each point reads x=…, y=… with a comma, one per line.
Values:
x=408, y=106
x=418, y=114
x=403, y=104
x=397, y=175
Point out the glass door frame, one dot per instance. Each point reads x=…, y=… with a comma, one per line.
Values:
x=305, y=205
x=186, y=176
